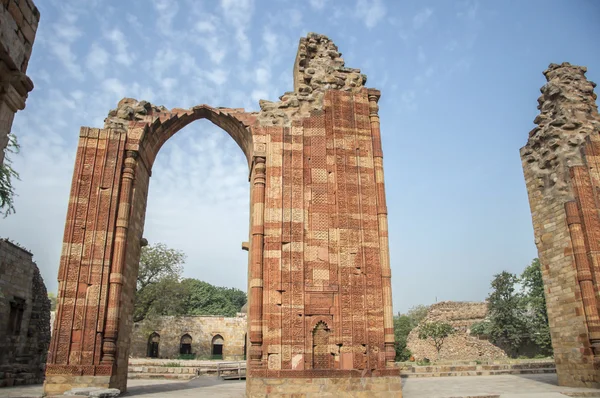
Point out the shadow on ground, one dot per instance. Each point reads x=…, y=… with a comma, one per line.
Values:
x=194, y=384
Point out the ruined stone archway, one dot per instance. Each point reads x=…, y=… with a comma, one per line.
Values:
x=318, y=247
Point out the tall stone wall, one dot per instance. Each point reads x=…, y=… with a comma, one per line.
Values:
x=24, y=337
x=461, y=345
x=202, y=330
x=320, y=303
x=560, y=164
x=18, y=24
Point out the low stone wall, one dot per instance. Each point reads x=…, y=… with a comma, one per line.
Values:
x=473, y=369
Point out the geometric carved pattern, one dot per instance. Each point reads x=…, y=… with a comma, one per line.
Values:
x=322, y=358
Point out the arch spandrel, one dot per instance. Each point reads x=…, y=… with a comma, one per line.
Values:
x=149, y=126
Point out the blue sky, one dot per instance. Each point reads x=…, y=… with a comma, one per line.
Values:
x=459, y=83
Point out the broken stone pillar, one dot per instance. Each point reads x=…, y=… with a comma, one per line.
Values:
x=18, y=24
x=560, y=163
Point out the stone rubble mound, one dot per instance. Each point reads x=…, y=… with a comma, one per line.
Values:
x=461, y=345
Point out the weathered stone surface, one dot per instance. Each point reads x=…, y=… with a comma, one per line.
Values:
x=461, y=345
x=18, y=24
x=560, y=166
x=24, y=318
x=318, y=67
x=319, y=273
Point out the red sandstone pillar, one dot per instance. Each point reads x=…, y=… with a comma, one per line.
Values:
x=384, y=250
x=256, y=266
x=109, y=344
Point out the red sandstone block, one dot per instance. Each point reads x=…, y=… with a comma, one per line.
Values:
x=15, y=11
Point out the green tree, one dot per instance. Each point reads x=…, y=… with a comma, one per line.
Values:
x=534, y=301
x=52, y=298
x=437, y=332
x=508, y=328
x=158, y=289
x=202, y=298
x=7, y=173
x=237, y=297
x=403, y=324
x=417, y=314
x=480, y=328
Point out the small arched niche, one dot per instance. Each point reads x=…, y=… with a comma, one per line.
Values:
x=217, y=347
x=185, y=345
x=153, y=342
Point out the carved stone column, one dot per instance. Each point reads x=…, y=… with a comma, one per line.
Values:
x=386, y=272
x=256, y=266
x=109, y=345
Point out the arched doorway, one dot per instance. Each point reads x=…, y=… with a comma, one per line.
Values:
x=153, y=342
x=185, y=345
x=217, y=347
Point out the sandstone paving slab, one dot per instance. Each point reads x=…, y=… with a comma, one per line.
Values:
x=503, y=386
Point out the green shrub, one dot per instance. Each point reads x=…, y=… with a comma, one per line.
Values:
x=481, y=328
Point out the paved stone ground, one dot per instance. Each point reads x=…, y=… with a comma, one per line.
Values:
x=523, y=386
x=503, y=386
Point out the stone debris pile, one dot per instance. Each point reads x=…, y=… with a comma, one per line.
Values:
x=461, y=345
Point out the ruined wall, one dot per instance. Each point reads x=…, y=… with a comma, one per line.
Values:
x=24, y=337
x=461, y=345
x=202, y=329
x=18, y=24
x=318, y=246
x=561, y=174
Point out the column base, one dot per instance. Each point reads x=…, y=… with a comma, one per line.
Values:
x=306, y=387
x=61, y=378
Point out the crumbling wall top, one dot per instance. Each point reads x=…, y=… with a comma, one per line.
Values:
x=319, y=67
x=568, y=114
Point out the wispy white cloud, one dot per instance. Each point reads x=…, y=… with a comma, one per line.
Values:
x=122, y=53
x=421, y=58
x=238, y=14
x=469, y=10
x=408, y=99
x=218, y=76
x=317, y=4
x=371, y=11
x=421, y=18
x=65, y=33
x=97, y=60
